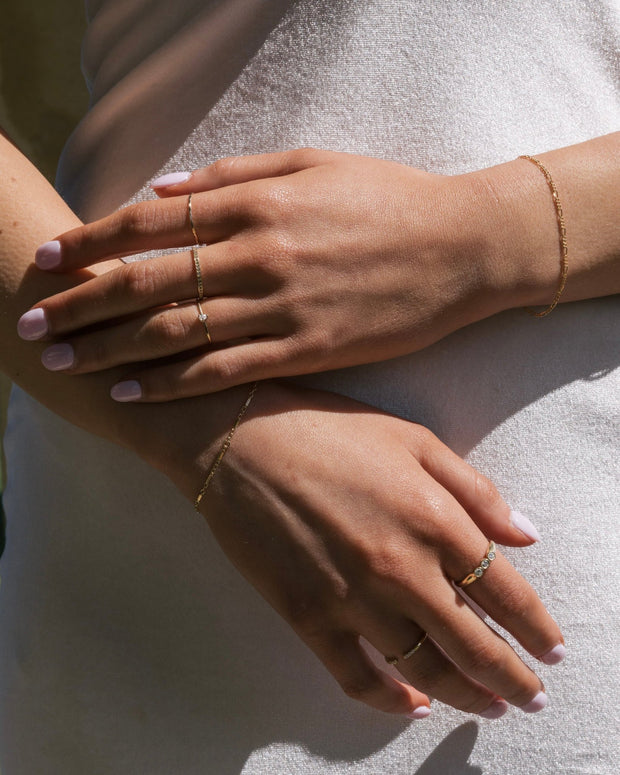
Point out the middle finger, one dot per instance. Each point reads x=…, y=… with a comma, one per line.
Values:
x=142, y=285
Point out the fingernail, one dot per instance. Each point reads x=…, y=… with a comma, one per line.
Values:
x=48, y=255
x=421, y=712
x=495, y=710
x=522, y=523
x=32, y=325
x=554, y=656
x=58, y=357
x=171, y=179
x=536, y=704
x=130, y=390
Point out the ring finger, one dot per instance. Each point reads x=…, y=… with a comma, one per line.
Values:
x=160, y=333
x=408, y=648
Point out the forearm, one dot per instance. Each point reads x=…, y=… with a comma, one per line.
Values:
x=523, y=249
x=31, y=212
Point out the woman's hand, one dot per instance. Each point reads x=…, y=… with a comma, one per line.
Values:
x=316, y=260
x=353, y=523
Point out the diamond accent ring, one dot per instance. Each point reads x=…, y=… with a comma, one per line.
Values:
x=203, y=317
x=478, y=572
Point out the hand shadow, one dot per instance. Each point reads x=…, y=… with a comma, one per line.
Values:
x=451, y=756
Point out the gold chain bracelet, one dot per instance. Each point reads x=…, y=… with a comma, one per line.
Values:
x=224, y=447
x=563, y=243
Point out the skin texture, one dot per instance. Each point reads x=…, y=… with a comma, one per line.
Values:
x=320, y=260
x=282, y=485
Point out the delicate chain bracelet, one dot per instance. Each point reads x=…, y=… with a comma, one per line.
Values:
x=224, y=447
x=563, y=244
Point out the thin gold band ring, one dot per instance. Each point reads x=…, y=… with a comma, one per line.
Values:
x=410, y=652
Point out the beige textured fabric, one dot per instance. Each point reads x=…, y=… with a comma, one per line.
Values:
x=128, y=642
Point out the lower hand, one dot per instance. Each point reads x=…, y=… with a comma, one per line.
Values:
x=353, y=524
x=317, y=260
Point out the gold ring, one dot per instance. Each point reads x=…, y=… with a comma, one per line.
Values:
x=478, y=572
x=410, y=652
x=201, y=291
x=202, y=317
x=191, y=219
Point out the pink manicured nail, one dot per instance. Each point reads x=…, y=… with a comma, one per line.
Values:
x=522, y=523
x=536, y=704
x=171, y=179
x=58, y=357
x=495, y=710
x=32, y=325
x=48, y=255
x=130, y=390
x=554, y=656
x=420, y=712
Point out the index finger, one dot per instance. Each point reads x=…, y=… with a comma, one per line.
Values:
x=152, y=225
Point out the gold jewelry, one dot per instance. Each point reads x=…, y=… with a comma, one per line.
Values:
x=198, y=270
x=478, y=572
x=191, y=219
x=224, y=447
x=563, y=243
x=203, y=317
x=413, y=649
x=408, y=654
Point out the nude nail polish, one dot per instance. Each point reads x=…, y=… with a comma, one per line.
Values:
x=536, y=704
x=48, y=255
x=495, y=710
x=523, y=524
x=420, y=712
x=33, y=325
x=554, y=656
x=58, y=357
x=171, y=179
x=129, y=390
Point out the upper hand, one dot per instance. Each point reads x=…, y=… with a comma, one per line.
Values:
x=316, y=260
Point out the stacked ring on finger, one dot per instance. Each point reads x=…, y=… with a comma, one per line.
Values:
x=190, y=215
x=198, y=270
x=410, y=652
x=203, y=317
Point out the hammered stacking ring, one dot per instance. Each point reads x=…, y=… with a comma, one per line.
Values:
x=478, y=572
x=202, y=317
x=197, y=269
x=191, y=220
x=409, y=653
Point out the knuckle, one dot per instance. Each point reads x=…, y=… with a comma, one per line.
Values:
x=486, y=492
x=308, y=617
x=361, y=689
x=138, y=280
x=516, y=601
x=137, y=220
x=304, y=157
x=385, y=563
x=167, y=326
x=486, y=660
x=222, y=169
x=429, y=680
x=272, y=201
x=227, y=371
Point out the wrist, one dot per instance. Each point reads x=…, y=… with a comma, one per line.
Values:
x=514, y=218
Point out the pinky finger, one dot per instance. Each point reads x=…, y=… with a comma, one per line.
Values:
x=360, y=679
x=209, y=372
